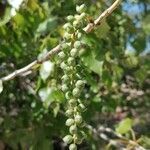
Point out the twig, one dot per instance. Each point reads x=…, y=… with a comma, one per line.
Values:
x=114, y=138
x=56, y=49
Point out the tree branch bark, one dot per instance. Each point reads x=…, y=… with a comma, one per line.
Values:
x=56, y=49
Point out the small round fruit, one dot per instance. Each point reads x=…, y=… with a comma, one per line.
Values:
x=77, y=139
x=76, y=24
x=73, y=147
x=78, y=119
x=68, y=95
x=73, y=129
x=76, y=92
x=63, y=65
x=72, y=102
x=82, y=52
x=77, y=44
x=69, y=113
x=65, y=78
x=81, y=8
x=70, y=18
x=71, y=61
x=69, y=122
x=64, y=88
x=74, y=52
x=83, y=15
x=61, y=55
x=68, y=139
x=79, y=84
x=79, y=35
x=67, y=36
x=64, y=45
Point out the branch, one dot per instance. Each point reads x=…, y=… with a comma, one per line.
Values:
x=114, y=138
x=56, y=49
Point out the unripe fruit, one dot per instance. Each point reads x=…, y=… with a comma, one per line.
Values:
x=78, y=119
x=76, y=24
x=80, y=8
x=67, y=25
x=71, y=61
x=77, y=44
x=73, y=147
x=68, y=139
x=79, y=35
x=70, y=18
x=63, y=65
x=83, y=15
x=64, y=46
x=73, y=129
x=64, y=88
x=77, y=139
x=76, y=92
x=67, y=36
x=74, y=52
x=65, y=78
x=81, y=107
x=68, y=95
x=73, y=102
x=62, y=55
x=79, y=84
x=69, y=112
x=82, y=51
x=69, y=122
x=68, y=70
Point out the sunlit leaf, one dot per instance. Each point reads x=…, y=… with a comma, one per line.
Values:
x=124, y=126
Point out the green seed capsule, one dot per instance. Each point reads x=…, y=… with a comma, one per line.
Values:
x=68, y=139
x=81, y=8
x=73, y=147
x=71, y=61
x=68, y=70
x=81, y=107
x=69, y=28
x=73, y=129
x=82, y=52
x=79, y=84
x=64, y=88
x=69, y=112
x=62, y=55
x=76, y=24
x=78, y=119
x=79, y=35
x=65, y=78
x=77, y=139
x=69, y=122
x=67, y=25
x=67, y=36
x=76, y=92
x=64, y=45
x=74, y=52
x=63, y=65
x=77, y=44
x=83, y=15
x=68, y=95
x=73, y=102
x=70, y=18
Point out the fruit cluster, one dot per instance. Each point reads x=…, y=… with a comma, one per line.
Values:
x=72, y=81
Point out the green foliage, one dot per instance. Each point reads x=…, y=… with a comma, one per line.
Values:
x=104, y=74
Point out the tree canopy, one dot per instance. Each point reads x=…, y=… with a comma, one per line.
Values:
x=113, y=62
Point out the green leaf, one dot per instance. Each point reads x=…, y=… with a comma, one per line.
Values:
x=92, y=63
x=124, y=126
x=46, y=69
x=1, y=86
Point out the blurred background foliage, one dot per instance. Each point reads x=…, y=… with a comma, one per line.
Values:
x=117, y=73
